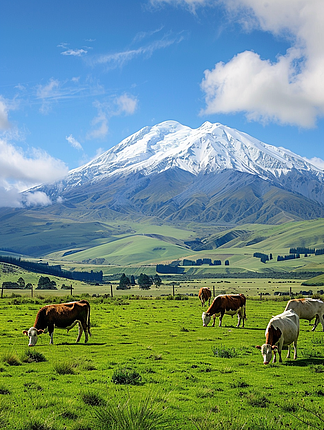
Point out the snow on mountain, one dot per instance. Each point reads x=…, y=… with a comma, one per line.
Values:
x=210, y=148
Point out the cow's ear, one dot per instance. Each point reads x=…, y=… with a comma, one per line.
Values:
x=258, y=346
x=40, y=331
x=274, y=347
x=25, y=332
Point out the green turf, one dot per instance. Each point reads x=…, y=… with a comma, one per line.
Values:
x=196, y=377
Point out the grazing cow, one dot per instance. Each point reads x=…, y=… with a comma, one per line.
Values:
x=64, y=315
x=204, y=295
x=282, y=330
x=229, y=304
x=307, y=309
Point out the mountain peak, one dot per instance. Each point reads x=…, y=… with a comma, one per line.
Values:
x=211, y=173
x=209, y=148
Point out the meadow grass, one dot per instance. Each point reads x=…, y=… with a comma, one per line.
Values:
x=150, y=361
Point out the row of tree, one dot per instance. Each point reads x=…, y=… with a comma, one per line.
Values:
x=44, y=283
x=45, y=268
x=144, y=281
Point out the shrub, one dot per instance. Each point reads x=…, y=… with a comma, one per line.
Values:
x=64, y=368
x=4, y=390
x=223, y=352
x=32, y=356
x=92, y=399
x=125, y=414
x=126, y=376
x=37, y=425
x=11, y=359
x=258, y=400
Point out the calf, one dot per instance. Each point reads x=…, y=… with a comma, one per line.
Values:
x=282, y=330
x=204, y=295
x=229, y=304
x=63, y=315
x=308, y=309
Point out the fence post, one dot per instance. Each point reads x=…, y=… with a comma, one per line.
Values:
x=111, y=290
x=173, y=289
x=32, y=291
x=214, y=290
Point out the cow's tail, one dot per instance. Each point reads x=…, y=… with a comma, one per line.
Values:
x=88, y=319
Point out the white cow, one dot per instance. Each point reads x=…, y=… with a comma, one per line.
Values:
x=282, y=330
x=308, y=309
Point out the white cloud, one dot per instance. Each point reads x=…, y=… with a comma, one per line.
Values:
x=73, y=142
x=191, y=4
x=288, y=91
x=19, y=172
x=126, y=104
x=121, y=105
x=48, y=93
x=100, y=123
x=74, y=52
x=4, y=123
x=49, y=90
x=119, y=59
x=37, y=198
x=318, y=162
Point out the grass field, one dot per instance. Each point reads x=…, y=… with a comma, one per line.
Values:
x=151, y=365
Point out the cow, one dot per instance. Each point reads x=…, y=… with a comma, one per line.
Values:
x=283, y=329
x=308, y=309
x=63, y=315
x=204, y=295
x=229, y=304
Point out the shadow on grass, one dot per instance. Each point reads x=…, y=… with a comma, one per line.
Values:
x=304, y=362
x=82, y=344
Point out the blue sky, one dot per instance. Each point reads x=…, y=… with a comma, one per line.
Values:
x=76, y=77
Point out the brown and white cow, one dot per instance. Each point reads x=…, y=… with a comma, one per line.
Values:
x=229, y=304
x=63, y=315
x=204, y=295
x=308, y=309
x=282, y=330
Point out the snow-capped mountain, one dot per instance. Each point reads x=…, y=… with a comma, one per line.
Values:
x=210, y=148
x=209, y=174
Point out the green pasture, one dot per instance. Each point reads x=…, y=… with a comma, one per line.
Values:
x=150, y=364
x=176, y=285
x=122, y=243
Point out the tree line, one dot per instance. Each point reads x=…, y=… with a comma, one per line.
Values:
x=45, y=268
x=144, y=281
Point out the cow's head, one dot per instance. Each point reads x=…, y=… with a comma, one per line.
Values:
x=32, y=333
x=205, y=318
x=266, y=351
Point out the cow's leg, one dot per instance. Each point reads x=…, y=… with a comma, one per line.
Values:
x=86, y=331
x=80, y=331
x=319, y=318
x=220, y=319
x=243, y=315
x=316, y=322
x=295, y=349
x=275, y=356
x=239, y=317
x=214, y=320
x=288, y=352
x=51, y=332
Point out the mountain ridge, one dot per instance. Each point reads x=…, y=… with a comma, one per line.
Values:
x=209, y=174
x=209, y=148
